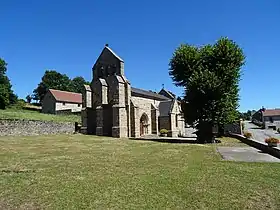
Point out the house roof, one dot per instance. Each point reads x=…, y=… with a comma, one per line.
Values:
x=65, y=96
x=147, y=94
x=271, y=112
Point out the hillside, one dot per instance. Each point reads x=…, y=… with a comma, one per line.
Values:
x=34, y=115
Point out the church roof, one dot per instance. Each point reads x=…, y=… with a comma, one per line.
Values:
x=87, y=87
x=147, y=94
x=167, y=93
x=165, y=107
x=111, y=51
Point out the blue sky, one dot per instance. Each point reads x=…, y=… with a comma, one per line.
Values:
x=69, y=35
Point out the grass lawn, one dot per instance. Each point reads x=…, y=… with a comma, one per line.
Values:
x=34, y=115
x=231, y=142
x=87, y=172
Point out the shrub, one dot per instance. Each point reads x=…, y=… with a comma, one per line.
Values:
x=248, y=135
x=163, y=131
x=278, y=130
x=271, y=140
x=18, y=105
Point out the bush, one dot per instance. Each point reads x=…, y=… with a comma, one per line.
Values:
x=271, y=140
x=163, y=131
x=248, y=135
x=20, y=104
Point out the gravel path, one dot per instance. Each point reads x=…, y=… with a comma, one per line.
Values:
x=260, y=134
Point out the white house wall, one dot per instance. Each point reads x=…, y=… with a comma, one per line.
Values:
x=64, y=106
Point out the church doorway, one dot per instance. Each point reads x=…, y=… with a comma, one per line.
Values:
x=144, y=125
x=107, y=119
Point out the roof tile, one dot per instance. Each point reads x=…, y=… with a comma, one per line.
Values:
x=271, y=112
x=65, y=96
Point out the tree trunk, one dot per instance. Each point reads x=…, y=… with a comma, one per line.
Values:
x=205, y=133
x=221, y=130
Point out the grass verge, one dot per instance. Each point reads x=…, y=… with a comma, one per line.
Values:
x=34, y=115
x=231, y=142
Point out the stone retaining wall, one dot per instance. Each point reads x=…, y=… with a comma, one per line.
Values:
x=9, y=127
x=233, y=128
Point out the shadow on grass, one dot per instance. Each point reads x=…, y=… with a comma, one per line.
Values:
x=184, y=140
x=189, y=140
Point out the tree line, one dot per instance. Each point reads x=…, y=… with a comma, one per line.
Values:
x=55, y=80
x=51, y=79
x=246, y=115
x=7, y=96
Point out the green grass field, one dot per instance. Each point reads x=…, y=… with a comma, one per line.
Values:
x=88, y=172
x=34, y=115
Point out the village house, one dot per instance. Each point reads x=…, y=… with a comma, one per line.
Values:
x=57, y=102
x=111, y=107
x=267, y=118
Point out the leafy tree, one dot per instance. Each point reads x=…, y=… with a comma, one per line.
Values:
x=28, y=99
x=246, y=115
x=210, y=75
x=7, y=96
x=52, y=79
x=78, y=84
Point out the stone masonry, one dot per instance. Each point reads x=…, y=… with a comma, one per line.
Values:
x=15, y=127
x=111, y=107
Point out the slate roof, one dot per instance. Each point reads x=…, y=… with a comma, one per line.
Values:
x=115, y=54
x=271, y=112
x=167, y=93
x=147, y=94
x=165, y=107
x=65, y=96
x=141, y=93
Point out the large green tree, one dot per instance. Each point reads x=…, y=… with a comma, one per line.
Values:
x=55, y=80
x=210, y=75
x=7, y=96
x=78, y=84
x=52, y=79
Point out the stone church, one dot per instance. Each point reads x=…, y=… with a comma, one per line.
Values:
x=111, y=107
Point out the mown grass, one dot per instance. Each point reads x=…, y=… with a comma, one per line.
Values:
x=34, y=115
x=231, y=142
x=87, y=172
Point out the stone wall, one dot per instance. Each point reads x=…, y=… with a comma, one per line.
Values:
x=144, y=106
x=233, y=128
x=10, y=127
x=48, y=104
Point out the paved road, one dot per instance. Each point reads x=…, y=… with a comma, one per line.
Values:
x=189, y=132
x=245, y=154
x=260, y=134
